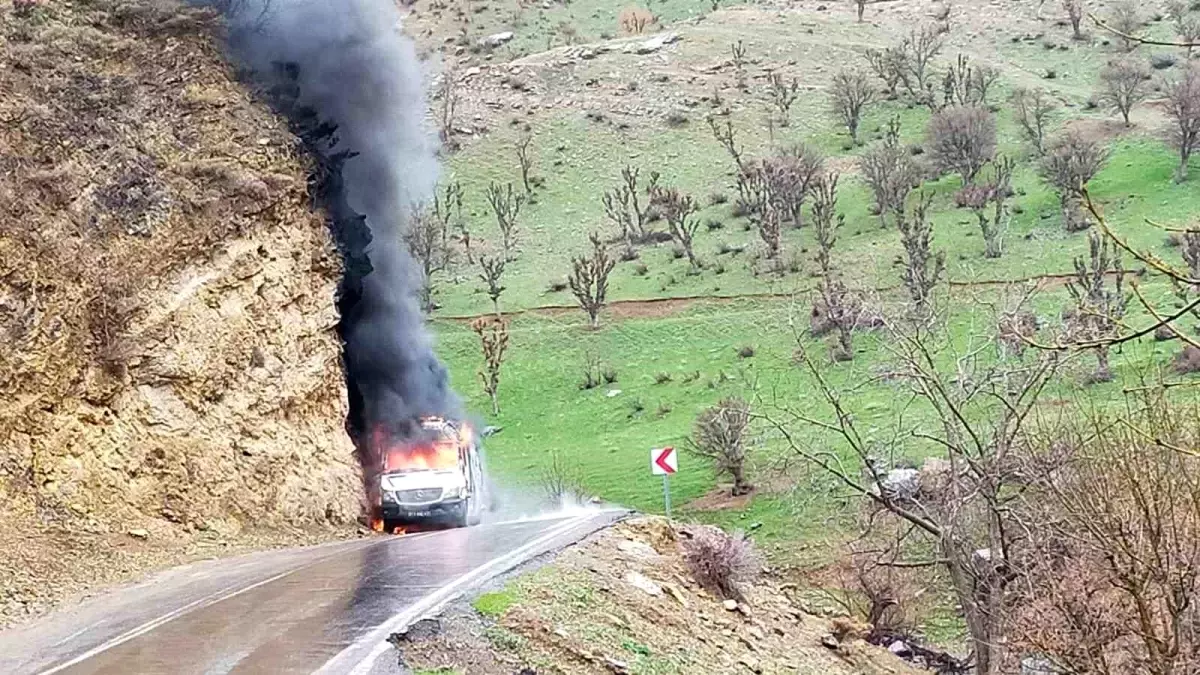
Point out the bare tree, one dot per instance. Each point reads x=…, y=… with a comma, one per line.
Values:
x=589, y=279
x=1071, y=161
x=908, y=64
x=960, y=505
x=738, y=50
x=726, y=136
x=1183, y=105
x=525, y=160
x=992, y=193
x=966, y=84
x=1099, y=305
x=1116, y=571
x=850, y=93
x=561, y=478
x=491, y=270
x=1074, y=9
x=719, y=435
x=860, y=6
x=1123, y=84
x=783, y=95
x=890, y=171
x=493, y=338
x=506, y=205
x=1126, y=20
x=838, y=307
x=789, y=177
x=427, y=242
x=625, y=208
x=962, y=139
x=1032, y=108
x=720, y=562
x=679, y=210
x=766, y=216
x=448, y=209
x=448, y=98
x=923, y=266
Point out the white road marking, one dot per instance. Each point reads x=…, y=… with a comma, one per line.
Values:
x=212, y=599
x=433, y=602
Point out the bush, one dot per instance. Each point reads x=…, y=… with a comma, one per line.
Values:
x=641, y=270
x=745, y=351
x=662, y=378
x=1163, y=61
x=676, y=119
x=962, y=139
x=719, y=561
x=1187, y=361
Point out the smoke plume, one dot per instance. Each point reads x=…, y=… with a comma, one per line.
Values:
x=350, y=85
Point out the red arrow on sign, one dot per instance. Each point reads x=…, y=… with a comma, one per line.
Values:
x=665, y=460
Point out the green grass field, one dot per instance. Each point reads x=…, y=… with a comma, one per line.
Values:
x=607, y=435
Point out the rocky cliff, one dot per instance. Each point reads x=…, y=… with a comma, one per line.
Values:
x=167, y=348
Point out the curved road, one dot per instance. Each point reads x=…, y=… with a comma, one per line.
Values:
x=325, y=609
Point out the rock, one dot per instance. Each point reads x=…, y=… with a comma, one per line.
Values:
x=900, y=648
x=612, y=392
x=674, y=592
x=731, y=605
x=139, y=534
x=743, y=609
x=755, y=632
x=638, y=549
x=616, y=666
x=751, y=663
x=656, y=43
x=495, y=39
x=829, y=641
x=643, y=583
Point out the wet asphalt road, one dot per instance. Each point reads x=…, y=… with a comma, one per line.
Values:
x=322, y=609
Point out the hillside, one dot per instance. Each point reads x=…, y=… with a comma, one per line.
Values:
x=170, y=383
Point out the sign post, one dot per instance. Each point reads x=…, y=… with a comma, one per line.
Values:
x=664, y=462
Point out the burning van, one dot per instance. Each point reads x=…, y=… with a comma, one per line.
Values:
x=438, y=477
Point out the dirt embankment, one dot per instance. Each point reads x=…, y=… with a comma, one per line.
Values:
x=624, y=602
x=169, y=367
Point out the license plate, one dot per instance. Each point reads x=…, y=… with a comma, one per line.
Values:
x=418, y=514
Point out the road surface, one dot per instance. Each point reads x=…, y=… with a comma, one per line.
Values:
x=326, y=609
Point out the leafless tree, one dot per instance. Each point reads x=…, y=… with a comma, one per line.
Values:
x=679, y=210
x=923, y=266
x=1111, y=582
x=448, y=209
x=965, y=84
x=525, y=160
x=890, y=171
x=720, y=562
x=766, y=215
x=1032, y=108
x=589, y=279
x=783, y=95
x=1070, y=162
x=909, y=64
x=789, y=176
x=1123, y=84
x=624, y=206
x=1183, y=105
x=493, y=338
x=1097, y=289
x=1074, y=9
x=561, y=478
x=506, y=205
x=719, y=436
x=993, y=193
x=448, y=97
x=427, y=242
x=962, y=139
x=838, y=308
x=726, y=136
x=1127, y=21
x=957, y=514
x=860, y=6
x=491, y=270
x=738, y=50
x=850, y=93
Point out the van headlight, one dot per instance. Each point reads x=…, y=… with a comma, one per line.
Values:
x=454, y=492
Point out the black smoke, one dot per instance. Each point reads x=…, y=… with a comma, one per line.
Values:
x=350, y=85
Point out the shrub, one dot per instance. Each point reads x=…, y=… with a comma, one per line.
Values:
x=719, y=561
x=962, y=139
x=745, y=351
x=662, y=378
x=1187, y=361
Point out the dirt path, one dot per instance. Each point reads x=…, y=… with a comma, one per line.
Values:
x=654, y=308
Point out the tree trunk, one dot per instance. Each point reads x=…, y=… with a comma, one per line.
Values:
x=495, y=404
x=740, y=485
x=594, y=318
x=1103, y=371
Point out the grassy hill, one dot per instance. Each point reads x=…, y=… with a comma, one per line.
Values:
x=679, y=342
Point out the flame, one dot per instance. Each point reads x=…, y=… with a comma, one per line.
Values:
x=377, y=524
x=434, y=456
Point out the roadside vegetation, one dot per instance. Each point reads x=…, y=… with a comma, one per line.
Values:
x=915, y=290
